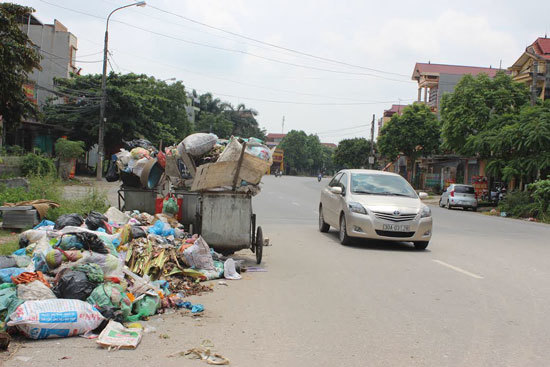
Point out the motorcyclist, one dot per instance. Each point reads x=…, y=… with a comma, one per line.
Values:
x=319, y=177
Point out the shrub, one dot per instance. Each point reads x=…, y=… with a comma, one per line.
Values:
x=67, y=149
x=37, y=165
x=540, y=192
x=519, y=204
x=95, y=200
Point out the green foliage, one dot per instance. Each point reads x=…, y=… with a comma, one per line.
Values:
x=479, y=104
x=519, y=204
x=214, y=123
x=540, y=192
x=305, y=154
x=18, y=58
x=9, y=247
x=69, y=149
x=137, y=106
x=37, y=165
x=352, y=153
x=415, y=133
x=95, y=200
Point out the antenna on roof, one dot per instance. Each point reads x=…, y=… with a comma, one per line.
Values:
x=429, y=62
x=500, y=65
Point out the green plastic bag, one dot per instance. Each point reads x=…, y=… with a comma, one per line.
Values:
x=146, y=306
x=170, y=205
x=8, y=303
x=109, y=295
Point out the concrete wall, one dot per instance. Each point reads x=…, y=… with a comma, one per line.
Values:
x=447, y=83
x=54, y=44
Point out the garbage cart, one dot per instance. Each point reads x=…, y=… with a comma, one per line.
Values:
x=228, y=224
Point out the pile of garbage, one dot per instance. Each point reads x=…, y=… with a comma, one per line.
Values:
x=86, y=276
x=187, y=165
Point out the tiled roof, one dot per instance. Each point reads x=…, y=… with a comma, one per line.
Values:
x=272, y=136
x=542, y=47
x=424, y=68
x=330, y=145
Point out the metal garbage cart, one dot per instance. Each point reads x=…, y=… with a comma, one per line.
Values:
x=228, y=224
x=132, y=198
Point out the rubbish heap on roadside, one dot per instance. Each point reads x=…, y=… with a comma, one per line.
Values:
x=73, y=276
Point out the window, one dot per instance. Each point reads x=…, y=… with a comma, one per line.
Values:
x=72, y=57
x=464, y=190
x=335, y=180
x=380, y=184
x=343, y=183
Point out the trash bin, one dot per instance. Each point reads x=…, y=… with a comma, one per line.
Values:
x=132, y=198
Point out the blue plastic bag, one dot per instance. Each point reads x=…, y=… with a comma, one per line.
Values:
x=44, y=223
x=7, y=273
x=162, y=229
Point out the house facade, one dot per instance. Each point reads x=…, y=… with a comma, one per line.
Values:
x=533, y=69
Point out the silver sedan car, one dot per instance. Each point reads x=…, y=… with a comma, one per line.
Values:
x=376, y=205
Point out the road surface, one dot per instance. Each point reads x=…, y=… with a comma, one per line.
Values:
x=478, y=296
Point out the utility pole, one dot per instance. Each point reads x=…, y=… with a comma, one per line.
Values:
x=102, y=119
x=283, y=126
x=371, y=158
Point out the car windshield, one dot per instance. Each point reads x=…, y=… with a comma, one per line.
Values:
x=464, y=189
x=378, y=184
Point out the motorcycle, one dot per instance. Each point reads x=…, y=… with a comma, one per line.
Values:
x=498, y=194
x=278, y=173
x=319, y=177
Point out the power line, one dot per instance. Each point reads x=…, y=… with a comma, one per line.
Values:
x=276, y=46
x=229, y=49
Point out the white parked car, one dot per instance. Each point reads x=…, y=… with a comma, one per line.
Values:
x=456, y=195
x=376, y=205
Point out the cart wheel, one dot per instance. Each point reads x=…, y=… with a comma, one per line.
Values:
x=259, y=245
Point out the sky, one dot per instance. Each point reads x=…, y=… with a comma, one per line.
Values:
x=350, y=60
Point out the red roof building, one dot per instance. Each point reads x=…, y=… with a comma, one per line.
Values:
x=437, y=79
x=273, y=139
x=535, y=60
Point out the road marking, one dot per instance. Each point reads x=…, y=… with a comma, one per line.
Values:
x=455, y=268
x=295, y=203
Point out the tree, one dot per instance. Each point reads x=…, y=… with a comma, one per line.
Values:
x=244, y=121
x=137, y=106
x=303, y=153
x=18, y=58
x=214, y=123
x=479, y=104
x=415, y=133
x=352, y=153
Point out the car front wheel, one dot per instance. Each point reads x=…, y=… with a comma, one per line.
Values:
x=344, y=238
x=323, y=226
x=448, y=205
x=421, y=245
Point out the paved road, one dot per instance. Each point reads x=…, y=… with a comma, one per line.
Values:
x=478, y=296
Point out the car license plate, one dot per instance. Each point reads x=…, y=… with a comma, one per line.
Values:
x=396, y=227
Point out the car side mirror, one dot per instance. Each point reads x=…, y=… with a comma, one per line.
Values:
x=422, y=195
x=336, y=190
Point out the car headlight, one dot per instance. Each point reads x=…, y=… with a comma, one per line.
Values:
x=426, y=212
x=357, y=208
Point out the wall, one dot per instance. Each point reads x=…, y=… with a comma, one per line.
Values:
x=447, y=83
x=55, y=49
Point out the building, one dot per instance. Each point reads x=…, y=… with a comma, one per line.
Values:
x=535, y=60
x=436, y=79
x=57, y=47
x=386, y=116
x=273, y=139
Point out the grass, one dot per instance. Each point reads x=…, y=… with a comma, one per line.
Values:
x=9, y=242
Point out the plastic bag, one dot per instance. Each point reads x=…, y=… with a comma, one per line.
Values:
x=34, y=291
x=232, y=152
x=74, y=285
x=145, y=306
x=199, y=143
x=258, y=150
x=138, y=167
x=123, y=157
x=8, y=303
x=68, y=220
x=229, y=271
x=116, y=216
x=55, y=318
x=170, y=205
x=116, y=336
x=139, y=143
x=112, y=173
x=7, y=273
x=139, y=153
x=110, y=264
x=198, y=255
x=56, y=257
x=44, y=223
x=32, y=236
x=7, y=262
x=95, y=220
x=91, y=241
x=92, y=271
x=109, y=296
x=137, y=232
x=162, y=229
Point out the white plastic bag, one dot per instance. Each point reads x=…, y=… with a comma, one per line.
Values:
x=232, y=151
x=33, y=235
x=116, y=336
x=199, y=143
x=138, y=168
x=198, y=255
x=116, y=216
x=34, y=291
x=123, y=157
x=55, y=318
x=229, y=271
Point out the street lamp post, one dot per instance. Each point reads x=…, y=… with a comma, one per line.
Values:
x=101, y=132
